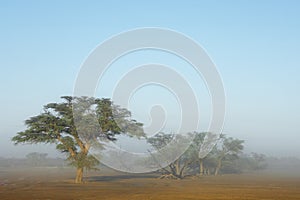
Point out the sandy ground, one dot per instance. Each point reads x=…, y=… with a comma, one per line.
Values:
x=51, y=183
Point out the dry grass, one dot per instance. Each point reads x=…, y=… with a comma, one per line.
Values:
x=48, y=184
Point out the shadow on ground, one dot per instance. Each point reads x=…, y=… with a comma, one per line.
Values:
x=119, y=177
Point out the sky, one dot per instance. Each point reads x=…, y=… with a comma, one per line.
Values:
x=254, y=44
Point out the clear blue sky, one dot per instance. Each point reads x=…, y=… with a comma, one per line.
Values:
x=255, y=45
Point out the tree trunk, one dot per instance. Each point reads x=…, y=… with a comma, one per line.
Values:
x=79, y=175
x=182, y=170
x=177, y=167
x=208, y=171
x=218, y=167
x=201, y=167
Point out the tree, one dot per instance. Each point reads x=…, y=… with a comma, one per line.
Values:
x=203, y=145
x=194, y=148
x=259, y=161
x=230, y=148
x=176, y=169
x=75, y=125
x=36, y=159
x=201, y=152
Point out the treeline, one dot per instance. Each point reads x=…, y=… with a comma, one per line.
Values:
x=224, y=156
x=33, y=159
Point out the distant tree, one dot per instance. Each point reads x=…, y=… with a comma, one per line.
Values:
x=207, y=154
x=176, y=169
x=193, y=151
x=259, y=160
x=75, y=132
x=205, y=143
x=36, y=159
x=246, y=163
x=230, y=149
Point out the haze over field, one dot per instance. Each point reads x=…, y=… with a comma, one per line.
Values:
x=254, y=44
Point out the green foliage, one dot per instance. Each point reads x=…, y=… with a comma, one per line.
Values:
x=74, y=124
x=160, y=140
x=82, y=160
x=223, y=156
x=67, y=143
x=232, y=147
x=177, y=143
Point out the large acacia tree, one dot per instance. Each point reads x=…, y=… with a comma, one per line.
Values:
x=75, y=124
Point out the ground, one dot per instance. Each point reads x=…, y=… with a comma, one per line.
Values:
x=55, y=183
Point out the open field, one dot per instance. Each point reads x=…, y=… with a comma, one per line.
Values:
x=55, y=183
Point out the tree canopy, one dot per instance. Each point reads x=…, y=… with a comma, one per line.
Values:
x=196, y=160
